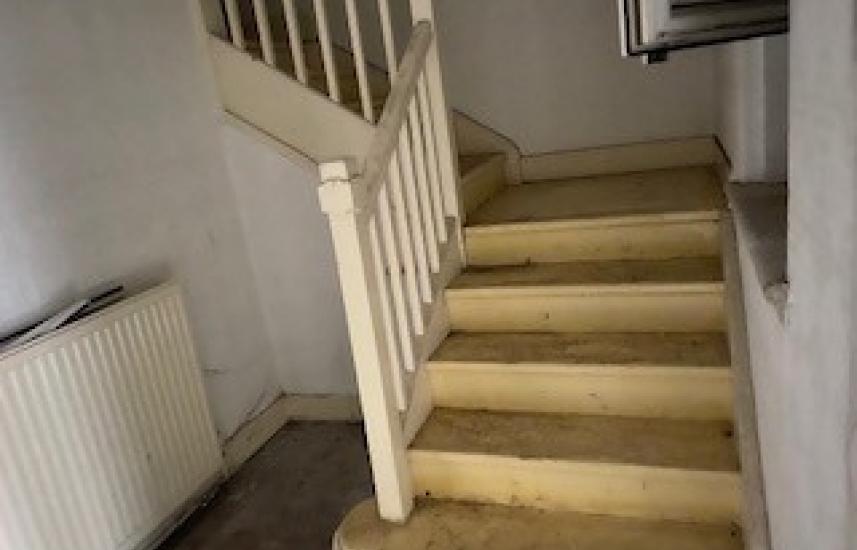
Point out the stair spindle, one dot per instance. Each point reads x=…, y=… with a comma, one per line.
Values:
x=421, y=179
x=233, y=19
x=417, y=232
x=388, y=38
x=263, y=23
x=397, y=282
x=295, y=41
x=406, y=244
x=359, y=59
x=327, y=51
x=388, y=316
x=432, y=158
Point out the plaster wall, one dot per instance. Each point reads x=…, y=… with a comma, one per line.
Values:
x=111, y=170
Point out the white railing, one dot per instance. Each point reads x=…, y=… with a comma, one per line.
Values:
x=393, y=219
x=291, y=54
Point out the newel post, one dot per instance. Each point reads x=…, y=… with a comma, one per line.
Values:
x=423, y=10
x=341, y=199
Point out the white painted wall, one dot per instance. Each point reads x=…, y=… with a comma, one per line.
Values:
x=549, y=75
x=812, y=488
x=111, y=169
x=753, y=109
x=292, y=256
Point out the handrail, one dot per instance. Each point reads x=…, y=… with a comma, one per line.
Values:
x=395, y=112
x=388, y=217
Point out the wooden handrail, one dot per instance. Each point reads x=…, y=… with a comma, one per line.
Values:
x=394, y=114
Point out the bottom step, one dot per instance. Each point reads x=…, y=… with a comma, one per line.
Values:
x=445, y=525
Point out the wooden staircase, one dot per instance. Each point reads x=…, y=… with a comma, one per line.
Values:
x=584, y=396
x=541, y=364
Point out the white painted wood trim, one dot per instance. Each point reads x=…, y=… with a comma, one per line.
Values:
x=327, y=50
x=361, y=296
x=295, y=41
x=754, y=512
x=323, y=408
x=473, y=137
x=255, y=92
x=423, y=11
x=388, y=38
x=233, y=20
x=263, y=24
x=359, y=59
x=617, y=159
x=253, y=435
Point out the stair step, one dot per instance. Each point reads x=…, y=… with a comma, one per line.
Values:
x=646, y=375
x=654, y=236
x=656, y=214
x=692, y=189
x=679, y=295
x=483, y=176
x=654, y=468
x=443, y=525
x=612, y=272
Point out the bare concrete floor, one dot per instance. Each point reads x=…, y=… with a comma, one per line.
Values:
x=290, y=496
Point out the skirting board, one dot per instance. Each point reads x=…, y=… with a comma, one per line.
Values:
x=254, y=434
x=755, y=514
x=618, y=159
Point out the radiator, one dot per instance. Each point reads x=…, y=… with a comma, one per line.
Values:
x=105, y=432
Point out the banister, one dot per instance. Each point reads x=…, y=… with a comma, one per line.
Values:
x=395, y=111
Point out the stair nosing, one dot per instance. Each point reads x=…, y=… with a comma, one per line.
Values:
x=582, y=369
x=564, y=463
x=600, y=221
x=565, y=289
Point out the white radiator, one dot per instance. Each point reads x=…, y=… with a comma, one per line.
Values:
x=105, y=432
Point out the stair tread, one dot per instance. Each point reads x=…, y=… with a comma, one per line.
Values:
x=602, y=272
x=656, y=442
x=652, y=192
x=662, y=349
x=444, y=524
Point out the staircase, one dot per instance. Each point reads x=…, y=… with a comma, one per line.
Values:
x=584, y=396
x=540, y=343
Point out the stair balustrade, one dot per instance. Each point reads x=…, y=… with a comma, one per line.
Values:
x=393, y=207
x=394, y=220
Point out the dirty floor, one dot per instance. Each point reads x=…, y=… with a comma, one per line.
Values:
x=290, y=496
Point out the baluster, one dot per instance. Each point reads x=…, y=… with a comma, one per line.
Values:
x=233, y=19
x=359, y=59
x=295, y=42
x=447, y=159
x=353, y=246
x=431, y=159
x=388, y=38
x=406, y=164
x=422, y=186
x=397, y=276
x=393, y=357
x=327, y=51
x=264, y=25
x=406, y=245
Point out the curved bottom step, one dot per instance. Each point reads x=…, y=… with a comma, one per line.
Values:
x=442, y=525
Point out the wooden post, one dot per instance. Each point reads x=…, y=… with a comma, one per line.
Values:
x=422, y=10
x=339, y=195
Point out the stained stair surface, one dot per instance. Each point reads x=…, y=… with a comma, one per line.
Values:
x=584, y=396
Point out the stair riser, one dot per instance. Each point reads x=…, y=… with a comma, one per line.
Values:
x=611, y=489
x=655, y=392
x=531, y=310
x=569, y=242
x=483, y=183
